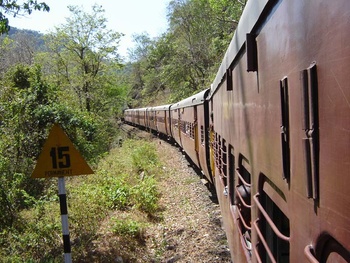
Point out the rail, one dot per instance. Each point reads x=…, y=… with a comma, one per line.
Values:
x=246, y=207
x=243, y=240
x=242, y=179
x=257, y=254
x=263, y=241
x=309, y=255
x=243, y=221
x=269, y=220
x=241, y=198
x=223, y=158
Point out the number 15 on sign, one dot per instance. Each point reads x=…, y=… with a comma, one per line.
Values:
x=60, y=157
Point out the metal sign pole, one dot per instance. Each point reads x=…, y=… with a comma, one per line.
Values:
x=64, y=219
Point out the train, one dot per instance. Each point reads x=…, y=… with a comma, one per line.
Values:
x=272, y=132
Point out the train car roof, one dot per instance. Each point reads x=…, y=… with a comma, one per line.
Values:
x=142, y=109
x=162, y=107
x=191, y=101
x=250, y=16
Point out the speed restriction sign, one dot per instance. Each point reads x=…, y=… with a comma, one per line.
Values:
x=59, y=157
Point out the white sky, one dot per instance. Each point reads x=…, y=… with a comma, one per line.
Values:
x=125, y=16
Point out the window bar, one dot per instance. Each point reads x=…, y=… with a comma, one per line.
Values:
x=224, y=164
x=218, y=154
x=263, y=241
x=269, y=220
x=241, y=198
x=242, y=239
x=309, y=255
x=243, y=221
x=257, y=254
x=241, y=178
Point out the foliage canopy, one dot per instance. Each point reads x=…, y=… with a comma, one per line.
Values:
x=183, y=60
x=14, y=8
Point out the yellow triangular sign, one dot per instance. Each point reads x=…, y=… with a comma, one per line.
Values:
x=59, y=157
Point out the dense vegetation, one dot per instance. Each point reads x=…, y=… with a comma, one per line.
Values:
x=74, y=76
x=14, y=8
x=185, y=59
x=116, y=186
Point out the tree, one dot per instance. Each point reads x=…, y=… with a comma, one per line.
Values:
x=23, y=96
x=186, y=58
x=140, y=67
x=13, y=8
x=83, y=51
x=19, y=47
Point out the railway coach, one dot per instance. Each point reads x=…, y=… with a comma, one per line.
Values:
x=281, y=138
x=189, y=128
x=129, y=116
x=162, y=120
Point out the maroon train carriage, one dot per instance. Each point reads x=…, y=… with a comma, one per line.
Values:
x=280, y=133
x=151, y=118
x=141, y=117
x=189, y=119
x=162, y=119
x=129, y=116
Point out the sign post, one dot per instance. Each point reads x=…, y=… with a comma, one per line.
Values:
x=60, y=158
x=64, y=220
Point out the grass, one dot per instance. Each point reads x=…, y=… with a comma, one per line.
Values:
x=117, y=185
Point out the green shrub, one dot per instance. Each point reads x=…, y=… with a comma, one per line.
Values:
x=128, y=227
x=119, y=196
x=35, y=237
x=146, y=195
x=145, y=158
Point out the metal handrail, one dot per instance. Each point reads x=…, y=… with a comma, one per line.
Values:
x=243, y=221
x=242, y=239
x=242, y=179
x=222, y=173
x=309, y=255
x=241, y=198
x=257, y=254
x=269, y=220
x=263, y=241
x=222, y=160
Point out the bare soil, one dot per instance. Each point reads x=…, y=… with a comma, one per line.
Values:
x=190, y=228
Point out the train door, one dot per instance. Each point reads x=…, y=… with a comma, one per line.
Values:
x=180, y=110
x=196, y=138
x=211, y=138
x=166, y=122
x=167, y=118
x=155, y=113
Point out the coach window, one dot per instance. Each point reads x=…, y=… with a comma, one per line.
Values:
x=218, y=153
x=231, y=175
x=217, y=150
x=187, y=128
x=243, y=201
x=330, y=250
x=224, y=161
x=274, y=230
x=215, y=147
x=202, y=135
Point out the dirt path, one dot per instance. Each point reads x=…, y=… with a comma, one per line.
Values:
x=191, y=229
